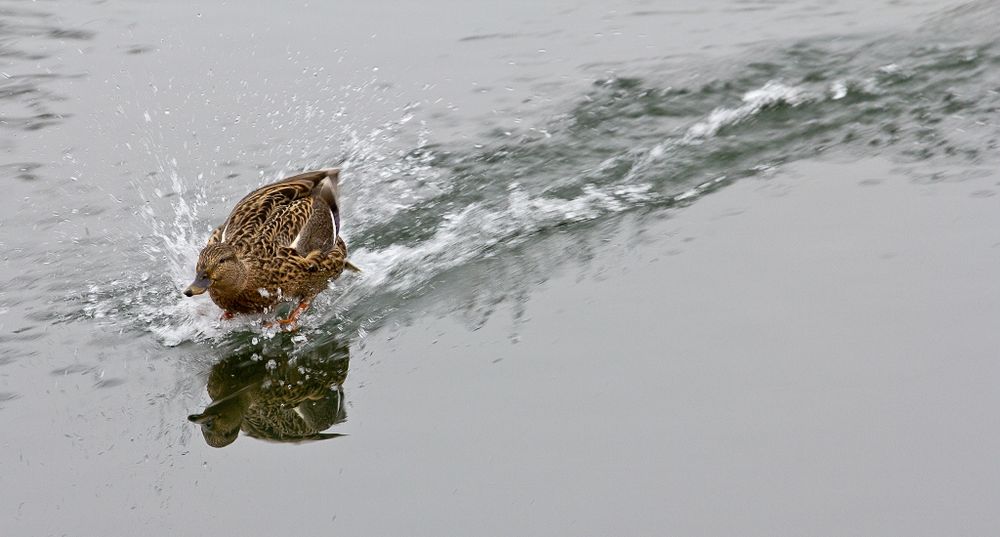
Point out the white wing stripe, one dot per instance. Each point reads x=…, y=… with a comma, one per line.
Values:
x=295, y=243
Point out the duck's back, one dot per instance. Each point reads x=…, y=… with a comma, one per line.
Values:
x=299, y=212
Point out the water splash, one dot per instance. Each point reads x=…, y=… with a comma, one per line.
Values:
x=773, y=93
x=175, y=231
x=416, y=211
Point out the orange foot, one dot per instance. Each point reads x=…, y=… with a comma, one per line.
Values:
x=227, y=315
x=293, y=318
x=290, y=323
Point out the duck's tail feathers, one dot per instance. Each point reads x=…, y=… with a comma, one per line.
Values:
x=329, y=192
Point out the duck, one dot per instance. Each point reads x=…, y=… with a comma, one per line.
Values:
x=280, y=242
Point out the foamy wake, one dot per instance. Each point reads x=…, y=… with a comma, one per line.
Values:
x=773, y=93
x=384, y=182
x=482, y=228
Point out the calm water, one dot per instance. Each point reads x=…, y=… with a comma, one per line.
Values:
x=630, y=268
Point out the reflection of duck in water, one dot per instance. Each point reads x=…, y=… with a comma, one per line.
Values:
x=274, y=397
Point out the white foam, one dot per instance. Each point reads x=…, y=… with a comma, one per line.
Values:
x=754, y=101
x=475, y=230
x=838, y=90
x=383, y=183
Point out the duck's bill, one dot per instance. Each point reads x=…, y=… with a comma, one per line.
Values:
x=197, y=287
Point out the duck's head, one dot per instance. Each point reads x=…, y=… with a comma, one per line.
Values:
x=219, y=268
x=220, y=427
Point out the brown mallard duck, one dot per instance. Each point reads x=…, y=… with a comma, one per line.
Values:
x=282, y=241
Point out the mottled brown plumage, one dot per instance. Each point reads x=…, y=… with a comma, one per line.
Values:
x=282, y=241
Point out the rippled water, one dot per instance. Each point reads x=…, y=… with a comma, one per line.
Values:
x=626, y=144
x=484, y=149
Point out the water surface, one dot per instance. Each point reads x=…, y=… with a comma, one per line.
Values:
x=629, y=268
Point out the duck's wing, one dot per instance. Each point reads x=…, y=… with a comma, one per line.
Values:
x=279, y=211
x=302, y=226
x=289, y=262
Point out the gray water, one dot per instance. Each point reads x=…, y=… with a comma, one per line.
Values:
x=638, y=268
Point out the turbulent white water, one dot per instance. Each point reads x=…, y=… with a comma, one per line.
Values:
x=415, y=209
x=380, y=186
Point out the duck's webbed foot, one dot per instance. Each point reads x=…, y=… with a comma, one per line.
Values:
x=293, y=318
x=226, y=315
x=290, y=323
